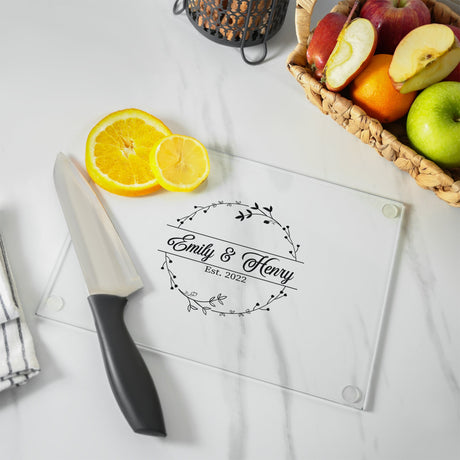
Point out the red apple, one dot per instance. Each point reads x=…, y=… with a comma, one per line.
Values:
x=394, y=19
x=455, y=75
x=323, y=41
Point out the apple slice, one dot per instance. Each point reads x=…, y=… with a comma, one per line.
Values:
x=455, y=74
x=355, y=46
x=425, y=56
x=323, y=41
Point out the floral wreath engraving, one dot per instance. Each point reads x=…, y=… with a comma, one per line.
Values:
x=216, y=303
x=250, y=211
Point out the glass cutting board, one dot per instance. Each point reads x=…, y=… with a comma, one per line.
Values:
x=262, y=272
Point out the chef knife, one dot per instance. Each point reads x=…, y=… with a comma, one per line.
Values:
x=110, y=278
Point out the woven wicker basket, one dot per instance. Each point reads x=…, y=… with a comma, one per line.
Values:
x=389, y=141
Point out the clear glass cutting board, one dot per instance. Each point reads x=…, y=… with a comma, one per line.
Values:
x=262, y=272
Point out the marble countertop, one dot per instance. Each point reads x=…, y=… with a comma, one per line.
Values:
x=67, y=64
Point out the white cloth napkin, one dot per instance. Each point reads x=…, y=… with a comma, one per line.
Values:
x=18, y=362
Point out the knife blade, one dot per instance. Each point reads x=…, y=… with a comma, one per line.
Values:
x=110, y=277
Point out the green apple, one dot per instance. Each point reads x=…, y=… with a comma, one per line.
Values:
x=433, y=123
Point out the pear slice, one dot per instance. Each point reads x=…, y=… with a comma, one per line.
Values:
x=355, y=46
x=425, y=56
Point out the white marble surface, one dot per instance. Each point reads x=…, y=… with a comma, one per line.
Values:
x=67, y=64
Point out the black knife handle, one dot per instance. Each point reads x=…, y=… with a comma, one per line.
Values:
x=128, y=375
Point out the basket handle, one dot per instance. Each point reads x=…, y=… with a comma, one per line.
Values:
x=303, y=12
x=179, y=6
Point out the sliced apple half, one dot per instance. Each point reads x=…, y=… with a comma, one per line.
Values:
x=425, y=56
x=355, y=46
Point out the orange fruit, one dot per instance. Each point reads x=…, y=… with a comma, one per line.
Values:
x=118, y=152
x=180, y=163
x=373, y=91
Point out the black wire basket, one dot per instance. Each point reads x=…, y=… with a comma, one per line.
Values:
x=237, y=23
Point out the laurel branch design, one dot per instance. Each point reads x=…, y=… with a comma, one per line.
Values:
x=249, y=211
x=217, y=303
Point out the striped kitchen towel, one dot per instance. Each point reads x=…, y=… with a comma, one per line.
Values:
x=18, y=362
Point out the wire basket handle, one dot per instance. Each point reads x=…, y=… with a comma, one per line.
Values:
x=264, y=43
x=179, y=6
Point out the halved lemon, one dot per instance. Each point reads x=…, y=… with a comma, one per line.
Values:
x=118, y=151
x=180, y=163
